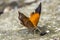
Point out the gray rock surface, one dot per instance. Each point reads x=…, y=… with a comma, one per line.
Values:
x=11, y=29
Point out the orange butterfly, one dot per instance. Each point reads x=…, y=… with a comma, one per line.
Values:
x=32, y=21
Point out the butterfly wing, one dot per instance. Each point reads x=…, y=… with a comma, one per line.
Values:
x=34, y=17
x=25, y=21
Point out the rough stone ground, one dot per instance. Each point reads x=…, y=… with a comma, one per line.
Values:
x=11, y=29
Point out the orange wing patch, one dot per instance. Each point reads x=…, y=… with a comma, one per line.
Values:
x=34, y=18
